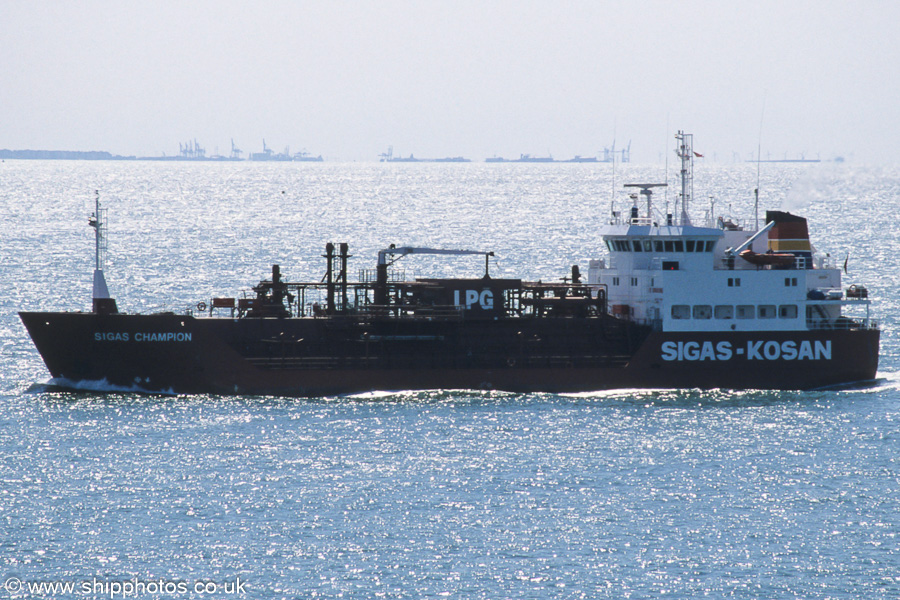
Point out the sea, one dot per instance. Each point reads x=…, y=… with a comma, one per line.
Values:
x=463, y=494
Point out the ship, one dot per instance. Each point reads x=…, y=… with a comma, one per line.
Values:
x=527, y=158
x=305, y=156
x=270, y=155
x=673, y=305
x=801, y=159
x=389, y=157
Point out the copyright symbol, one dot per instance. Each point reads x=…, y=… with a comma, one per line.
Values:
x=13, y=585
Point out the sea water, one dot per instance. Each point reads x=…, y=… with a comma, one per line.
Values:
x=439, y=494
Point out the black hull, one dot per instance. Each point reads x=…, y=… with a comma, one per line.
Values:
x=169, y=353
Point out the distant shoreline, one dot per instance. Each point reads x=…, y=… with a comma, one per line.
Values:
x=61, y=155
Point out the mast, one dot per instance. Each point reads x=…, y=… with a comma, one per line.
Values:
x=685, y=152
x=102, y=303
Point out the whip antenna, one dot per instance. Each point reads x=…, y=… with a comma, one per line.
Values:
x=758, y=159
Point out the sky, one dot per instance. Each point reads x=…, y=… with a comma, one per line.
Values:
x=347, y=79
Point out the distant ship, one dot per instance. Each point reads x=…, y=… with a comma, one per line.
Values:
x=801, y=159
x=523, y=158
x=609, y=155
x=305, y=156
x=269, y=155
x=389, y=157
x=527, y=158
x=788, y=160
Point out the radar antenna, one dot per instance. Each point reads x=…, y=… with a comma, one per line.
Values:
x=647, y=192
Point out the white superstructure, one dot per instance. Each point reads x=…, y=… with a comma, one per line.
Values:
x=664, y=271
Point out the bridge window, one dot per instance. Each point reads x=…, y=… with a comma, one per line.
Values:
x=745, y=311
x=658, y=245
x=679, y=246
x=710, y=245
x=724, y=311
x=766, y=311
x=787, y=311
x=681, y=311
x=689, y=245
x=702, y=311
x=637, y=245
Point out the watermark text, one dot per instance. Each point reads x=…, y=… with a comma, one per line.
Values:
x=123, y=588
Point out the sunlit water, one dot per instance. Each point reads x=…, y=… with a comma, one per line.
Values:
x=625, y=494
